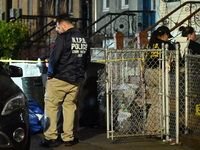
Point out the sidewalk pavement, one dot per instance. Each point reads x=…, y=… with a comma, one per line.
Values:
x=95, y=139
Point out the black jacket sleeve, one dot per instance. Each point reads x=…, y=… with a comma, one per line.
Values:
x=55, y=56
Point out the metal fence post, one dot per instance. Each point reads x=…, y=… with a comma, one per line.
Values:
x=107, y=90
x=186, y=91
x=177, y=92
x=143, y=86
x=163, y=87
x=166, y=91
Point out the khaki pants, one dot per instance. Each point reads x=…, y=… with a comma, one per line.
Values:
x=154, y=116
x=60, y=92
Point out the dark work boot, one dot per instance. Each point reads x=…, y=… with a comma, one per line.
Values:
x=50, y=143
x=70, y=143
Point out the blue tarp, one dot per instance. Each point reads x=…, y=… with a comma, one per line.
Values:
x=36, y=116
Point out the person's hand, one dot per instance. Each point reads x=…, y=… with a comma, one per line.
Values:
x=169, y=64
x=170, y=60
x=46, y=62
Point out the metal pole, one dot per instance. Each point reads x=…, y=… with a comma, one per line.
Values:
x=186, y=91
x=110, y=76
x=142, y=72
x=126, y=72
x=177, y=93
x=107, y=89
x=117, y=72
x=122, y=68
x=167, y=92
x=163, y=87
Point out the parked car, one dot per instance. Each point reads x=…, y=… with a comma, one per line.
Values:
x=14, y=112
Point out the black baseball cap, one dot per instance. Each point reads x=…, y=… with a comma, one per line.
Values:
x=162, y=30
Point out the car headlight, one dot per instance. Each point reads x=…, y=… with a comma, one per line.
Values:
x=13, y=104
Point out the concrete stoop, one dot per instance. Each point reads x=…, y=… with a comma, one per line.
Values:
x=191, y=141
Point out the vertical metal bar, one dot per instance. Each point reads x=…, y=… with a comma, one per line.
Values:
x=107, y=90
x=122, y=68
x=106, y=37
x=128, y=25
x=143, y=86
x=117, y=74
x=111, y=26
x=189, y=20
x=110, y=75
x=163, y=87
x=177, y=93
x=186, y=91
x=126, y=71
x=95, y=15
x=167, y=92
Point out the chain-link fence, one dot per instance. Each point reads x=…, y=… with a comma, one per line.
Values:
x=193, y=101
x=135, y=107
x=146, y=94
x=182, y=96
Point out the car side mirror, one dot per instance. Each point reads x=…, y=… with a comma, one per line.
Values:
x=15, y=71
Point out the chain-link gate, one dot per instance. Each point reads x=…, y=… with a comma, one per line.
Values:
x=134, y=106
x=173, y=91
x=152, y=97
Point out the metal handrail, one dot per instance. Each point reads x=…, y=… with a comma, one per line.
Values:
x=165, y=17
x=110, y=14
x=44, y=27
x=39, y=34
x=187, y=18
x=31, y=42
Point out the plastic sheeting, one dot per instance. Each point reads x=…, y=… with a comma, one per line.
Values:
x=36, y=116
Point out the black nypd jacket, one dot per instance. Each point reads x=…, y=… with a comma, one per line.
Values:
x=69, y=57
x=152, y=58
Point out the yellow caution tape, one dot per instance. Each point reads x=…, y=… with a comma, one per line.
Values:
x=120, y=59
x=22, y=61
x=35, y=61
x=97, y=60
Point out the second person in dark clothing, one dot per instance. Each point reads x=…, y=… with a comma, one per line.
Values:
x=189, y=32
